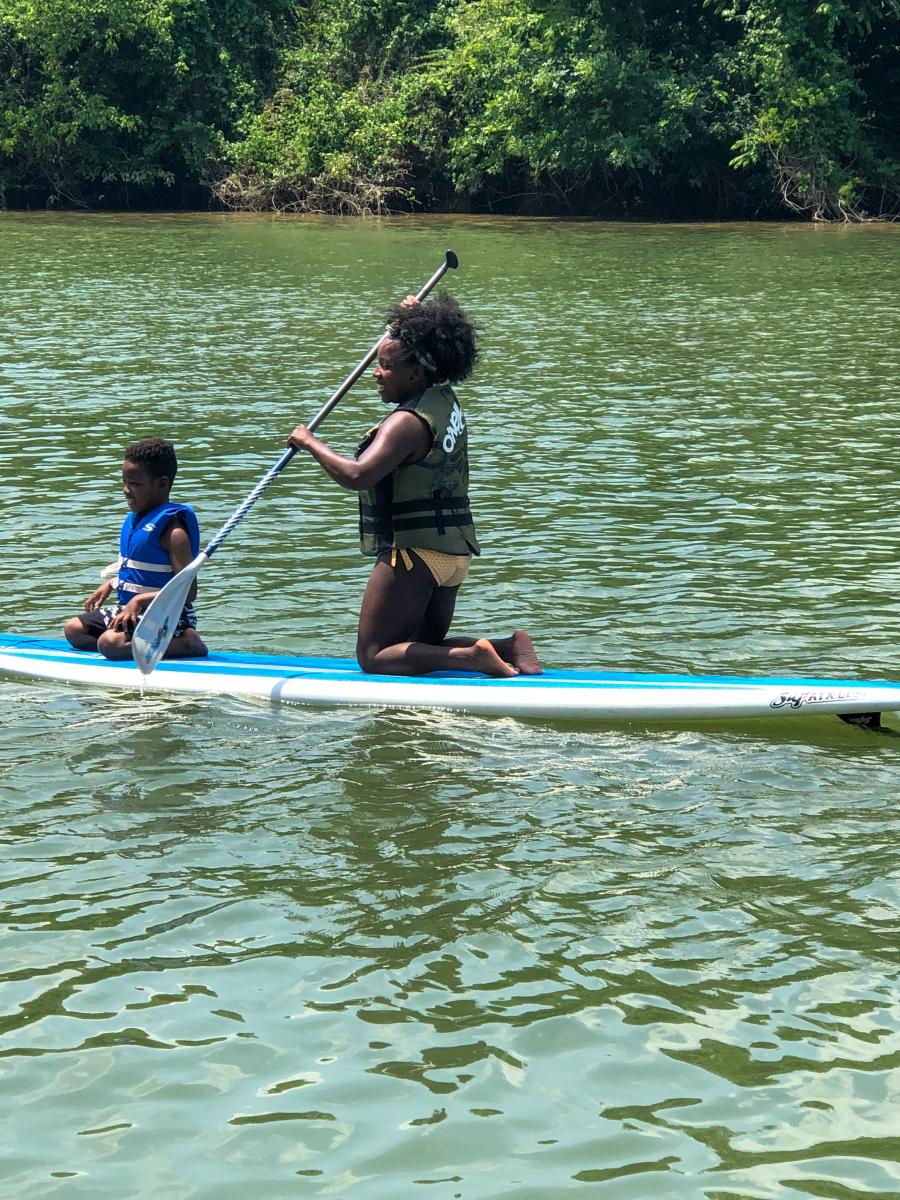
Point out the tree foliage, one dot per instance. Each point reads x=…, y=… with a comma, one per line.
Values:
x=819, y=85
x=616, y=107
x=101, y=97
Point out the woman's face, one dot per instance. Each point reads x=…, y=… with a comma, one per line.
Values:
x=396, y=378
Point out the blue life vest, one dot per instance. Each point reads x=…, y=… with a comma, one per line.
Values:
x=143, y=564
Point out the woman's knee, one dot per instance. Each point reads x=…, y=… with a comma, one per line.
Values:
x=365, y=656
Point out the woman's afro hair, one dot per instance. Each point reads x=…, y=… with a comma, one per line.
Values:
x=439, y=330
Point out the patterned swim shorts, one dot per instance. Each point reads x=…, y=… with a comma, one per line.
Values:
x=98, y=620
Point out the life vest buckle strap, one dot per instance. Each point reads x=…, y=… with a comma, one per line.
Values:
x=398, y=508
x=430, y=522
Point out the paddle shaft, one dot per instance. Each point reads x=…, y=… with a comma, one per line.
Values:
x=450, y=262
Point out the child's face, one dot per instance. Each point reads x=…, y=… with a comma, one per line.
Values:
x=142, y=490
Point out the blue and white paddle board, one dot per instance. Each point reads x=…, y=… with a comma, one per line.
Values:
x=576, y=695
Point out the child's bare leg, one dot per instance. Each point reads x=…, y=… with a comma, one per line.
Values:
x=188, y=645
x=115, y=644
x=77, y=636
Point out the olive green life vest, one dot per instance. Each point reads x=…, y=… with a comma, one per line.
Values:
x=425, y=503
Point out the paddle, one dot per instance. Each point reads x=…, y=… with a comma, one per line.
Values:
x=157, y=624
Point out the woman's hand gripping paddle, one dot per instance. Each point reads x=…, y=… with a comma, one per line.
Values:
x=157, y=625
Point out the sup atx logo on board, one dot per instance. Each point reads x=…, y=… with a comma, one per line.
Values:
x=798, y=699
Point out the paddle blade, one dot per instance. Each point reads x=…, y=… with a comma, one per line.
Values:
x=156, y=627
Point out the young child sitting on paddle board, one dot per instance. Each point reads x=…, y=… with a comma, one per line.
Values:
x=158, y=538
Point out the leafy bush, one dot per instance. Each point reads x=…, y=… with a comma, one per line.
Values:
x=819, y=85
x=102, y=97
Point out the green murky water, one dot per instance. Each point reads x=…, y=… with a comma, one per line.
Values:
x=275, y=952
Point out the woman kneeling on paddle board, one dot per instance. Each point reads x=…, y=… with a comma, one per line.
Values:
x=412, y=472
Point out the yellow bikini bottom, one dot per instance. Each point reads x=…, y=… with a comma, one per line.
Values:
x=449, y=570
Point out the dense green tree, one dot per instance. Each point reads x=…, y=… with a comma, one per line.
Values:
x=600, y=106
x=489, y=102
x=354, y=124
x=579, y=101
x=101, y=96
x=817, y=85
x=618, y=107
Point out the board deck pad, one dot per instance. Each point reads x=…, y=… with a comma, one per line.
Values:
x=576, y=695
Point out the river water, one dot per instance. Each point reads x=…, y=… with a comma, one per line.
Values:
x=274, y=952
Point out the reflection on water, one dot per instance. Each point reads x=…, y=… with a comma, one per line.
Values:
x=251, y=948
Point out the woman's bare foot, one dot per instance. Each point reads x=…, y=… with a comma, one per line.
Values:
x=523, y=654
x=518, y=650
x=483, y=657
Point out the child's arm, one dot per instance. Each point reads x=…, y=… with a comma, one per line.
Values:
x=128, y=616
x=177, y=545
x=98, y=598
